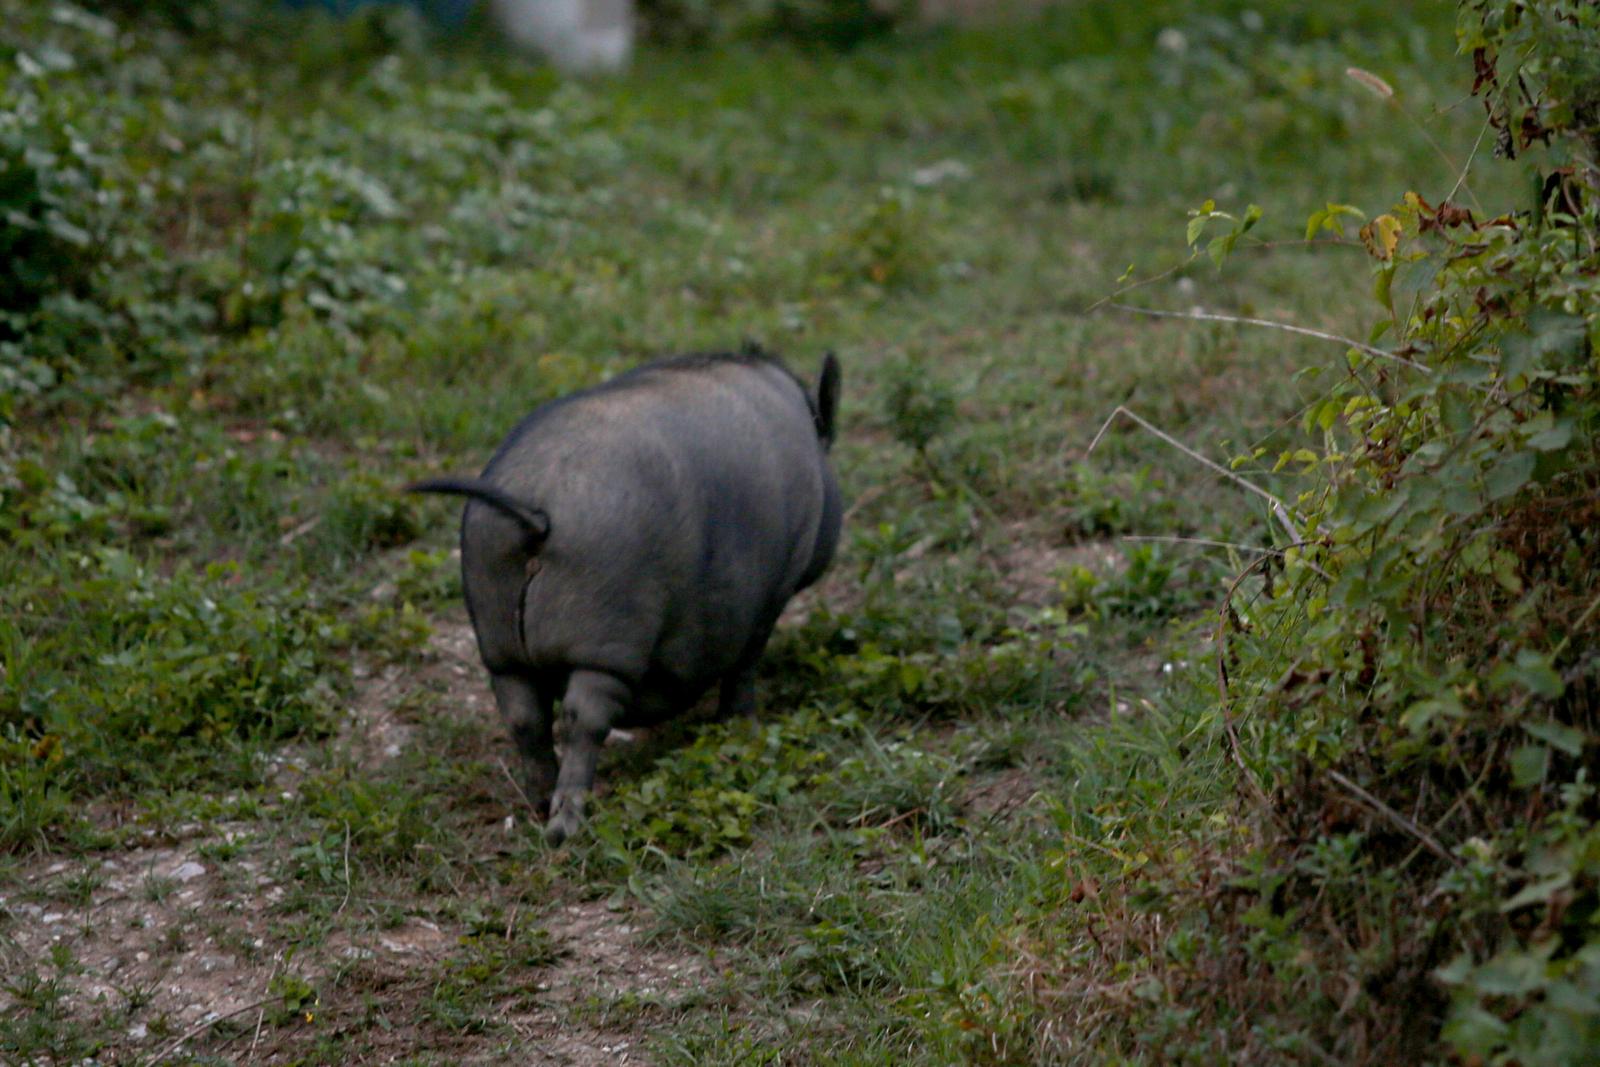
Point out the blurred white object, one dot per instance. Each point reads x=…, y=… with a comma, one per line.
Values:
x=578, y=36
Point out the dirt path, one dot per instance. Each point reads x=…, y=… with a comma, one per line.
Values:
x=171, y=941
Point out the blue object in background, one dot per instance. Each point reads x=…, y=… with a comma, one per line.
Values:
x=447, y=12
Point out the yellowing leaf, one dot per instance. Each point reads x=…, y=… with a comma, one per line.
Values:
x=1382, y=236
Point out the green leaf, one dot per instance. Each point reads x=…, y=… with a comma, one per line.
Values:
x=1510, y=474
x=1456, y=971
x=1553, y=338
x=1383, y=286
x=1554, y=734
x=1456, y=414
x=1459, y=500
x=1532, y=672
x=1556, y=437
x=1528, y=765
x=1421, y=715
x=1314, y=223
x=1538, y=892
x=1511, y=973
x=1219, y=247
x=1472, y=1029
x=1329, y=218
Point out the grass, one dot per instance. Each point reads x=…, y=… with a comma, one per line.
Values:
x=987, y=756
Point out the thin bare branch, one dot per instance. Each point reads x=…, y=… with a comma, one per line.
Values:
x=195, y=1031
x=346, y=899
x=1279, y=509
x=1224, y=698
x=1110, y=297
x=1204, y=541
x=261, y=1013
x=1244, y=246
x=1241, y=320
x=1577, y=627
x=1461, y=179
x=516, y=785
x=1427, y=839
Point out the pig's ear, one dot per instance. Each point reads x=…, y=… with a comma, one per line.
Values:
x=827, y=397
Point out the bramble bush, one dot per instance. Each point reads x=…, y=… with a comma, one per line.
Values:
x=1439, y=708
x=1410, y=687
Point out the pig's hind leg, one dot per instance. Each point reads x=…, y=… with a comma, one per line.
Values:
x=736, y=697
x=529, y=712
x=593, y=702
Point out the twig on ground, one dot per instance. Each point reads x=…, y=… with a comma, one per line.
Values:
x=299, y=531
x=902, y=817
x=521, y=792
x=261, y=1016
x=346, y=899
x=195, y=1031
x=261, y=1013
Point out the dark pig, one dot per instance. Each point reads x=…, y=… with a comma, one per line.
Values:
x=633, y=544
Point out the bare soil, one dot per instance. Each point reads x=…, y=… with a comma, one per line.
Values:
x=174, y=940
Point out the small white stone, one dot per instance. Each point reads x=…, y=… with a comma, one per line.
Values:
x=138, y=1031
x=946, y=170
x=53, y=917
x=189, y=871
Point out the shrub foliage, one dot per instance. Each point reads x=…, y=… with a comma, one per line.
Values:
x=1420, y=685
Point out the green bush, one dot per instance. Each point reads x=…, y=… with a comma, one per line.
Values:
x=1420, y=681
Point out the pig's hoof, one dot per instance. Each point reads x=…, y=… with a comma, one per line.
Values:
x=566, y=815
